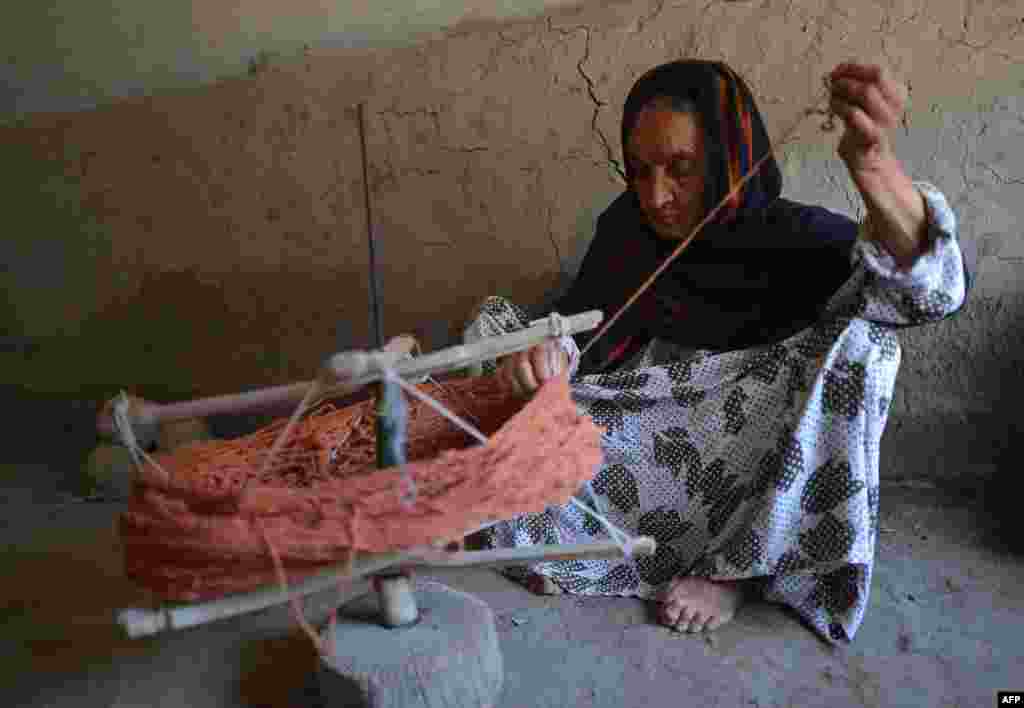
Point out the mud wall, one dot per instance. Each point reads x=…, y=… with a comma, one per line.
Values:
x=199, y=228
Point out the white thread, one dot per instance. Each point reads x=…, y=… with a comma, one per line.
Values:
x=620, y=537
x=558, y=325
x=123, y=425
x=150, y=460
x=408, y=356
x=311, y=394
x=437, y=406
x=408, y=497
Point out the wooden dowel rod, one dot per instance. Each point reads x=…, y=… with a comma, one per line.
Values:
x=351, y=371
x=142, y=622
x=268, y=400
x=461, y=356
x=502, y=557
x=139, y=622
x=251, y=401
x=397, y=600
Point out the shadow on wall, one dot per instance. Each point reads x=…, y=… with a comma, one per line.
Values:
x=151, y=343
x=999, y=433
x=977, y=450
x=1000, y=501
x=152, y=339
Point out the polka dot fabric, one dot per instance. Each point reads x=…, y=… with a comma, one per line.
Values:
x=760, y=463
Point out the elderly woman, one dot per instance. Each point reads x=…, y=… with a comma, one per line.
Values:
x=745, y=394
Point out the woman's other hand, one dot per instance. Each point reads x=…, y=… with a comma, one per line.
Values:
x=525, y=372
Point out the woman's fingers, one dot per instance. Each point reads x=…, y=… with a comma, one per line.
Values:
x=544, y=364
x=525, y=376
x=539, y=363
x=559, y=359
x=525, y=372
x=506, y=369
x=549, y=361
x=515, y=373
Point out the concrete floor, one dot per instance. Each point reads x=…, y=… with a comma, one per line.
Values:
x=945, y=628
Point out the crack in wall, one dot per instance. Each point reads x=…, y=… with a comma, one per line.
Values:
x=465, y=181
x=419, y=171
x=814, y=55
x=554, y=241
x=651, y=16
x=1001, y=178
x=964, y=159
x=466, y=150
x=579, y=156
x=610, y=160
x=516, y=42
x=381, y=176
x=492, y=65
x=389, y=174
x=538, y=193
x=1017, y=29
x=598, y=105
x=492, y=224
x=844, y=188
x=887, y=29
x=971, y=147
x=435, y=116
x=788, y=11
x=905, y=120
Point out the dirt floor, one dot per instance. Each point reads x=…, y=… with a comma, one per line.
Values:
x=945, y=627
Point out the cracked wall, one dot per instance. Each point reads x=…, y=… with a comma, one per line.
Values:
x=207, y=240
x=68, y=55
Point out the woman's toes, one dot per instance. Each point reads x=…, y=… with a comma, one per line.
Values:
x=550, y=587
x=542, y=585
x=696, y=623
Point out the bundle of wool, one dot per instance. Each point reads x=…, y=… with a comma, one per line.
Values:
x=201, y=519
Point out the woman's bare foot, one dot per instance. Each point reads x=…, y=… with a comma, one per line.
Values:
x=695, y=604
x=542, y=585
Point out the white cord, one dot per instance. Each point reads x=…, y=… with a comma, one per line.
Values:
x=620, y=537
x=558, y=325
x=437, y=406
x=126, y=433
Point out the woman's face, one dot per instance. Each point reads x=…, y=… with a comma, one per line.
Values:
x=666, y=159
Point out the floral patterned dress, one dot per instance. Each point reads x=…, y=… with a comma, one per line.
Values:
x=754, y=464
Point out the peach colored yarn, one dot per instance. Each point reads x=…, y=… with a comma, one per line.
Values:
x=204, y=530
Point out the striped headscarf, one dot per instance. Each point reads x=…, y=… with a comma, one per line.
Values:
x=739, y=139
x=735, y=136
